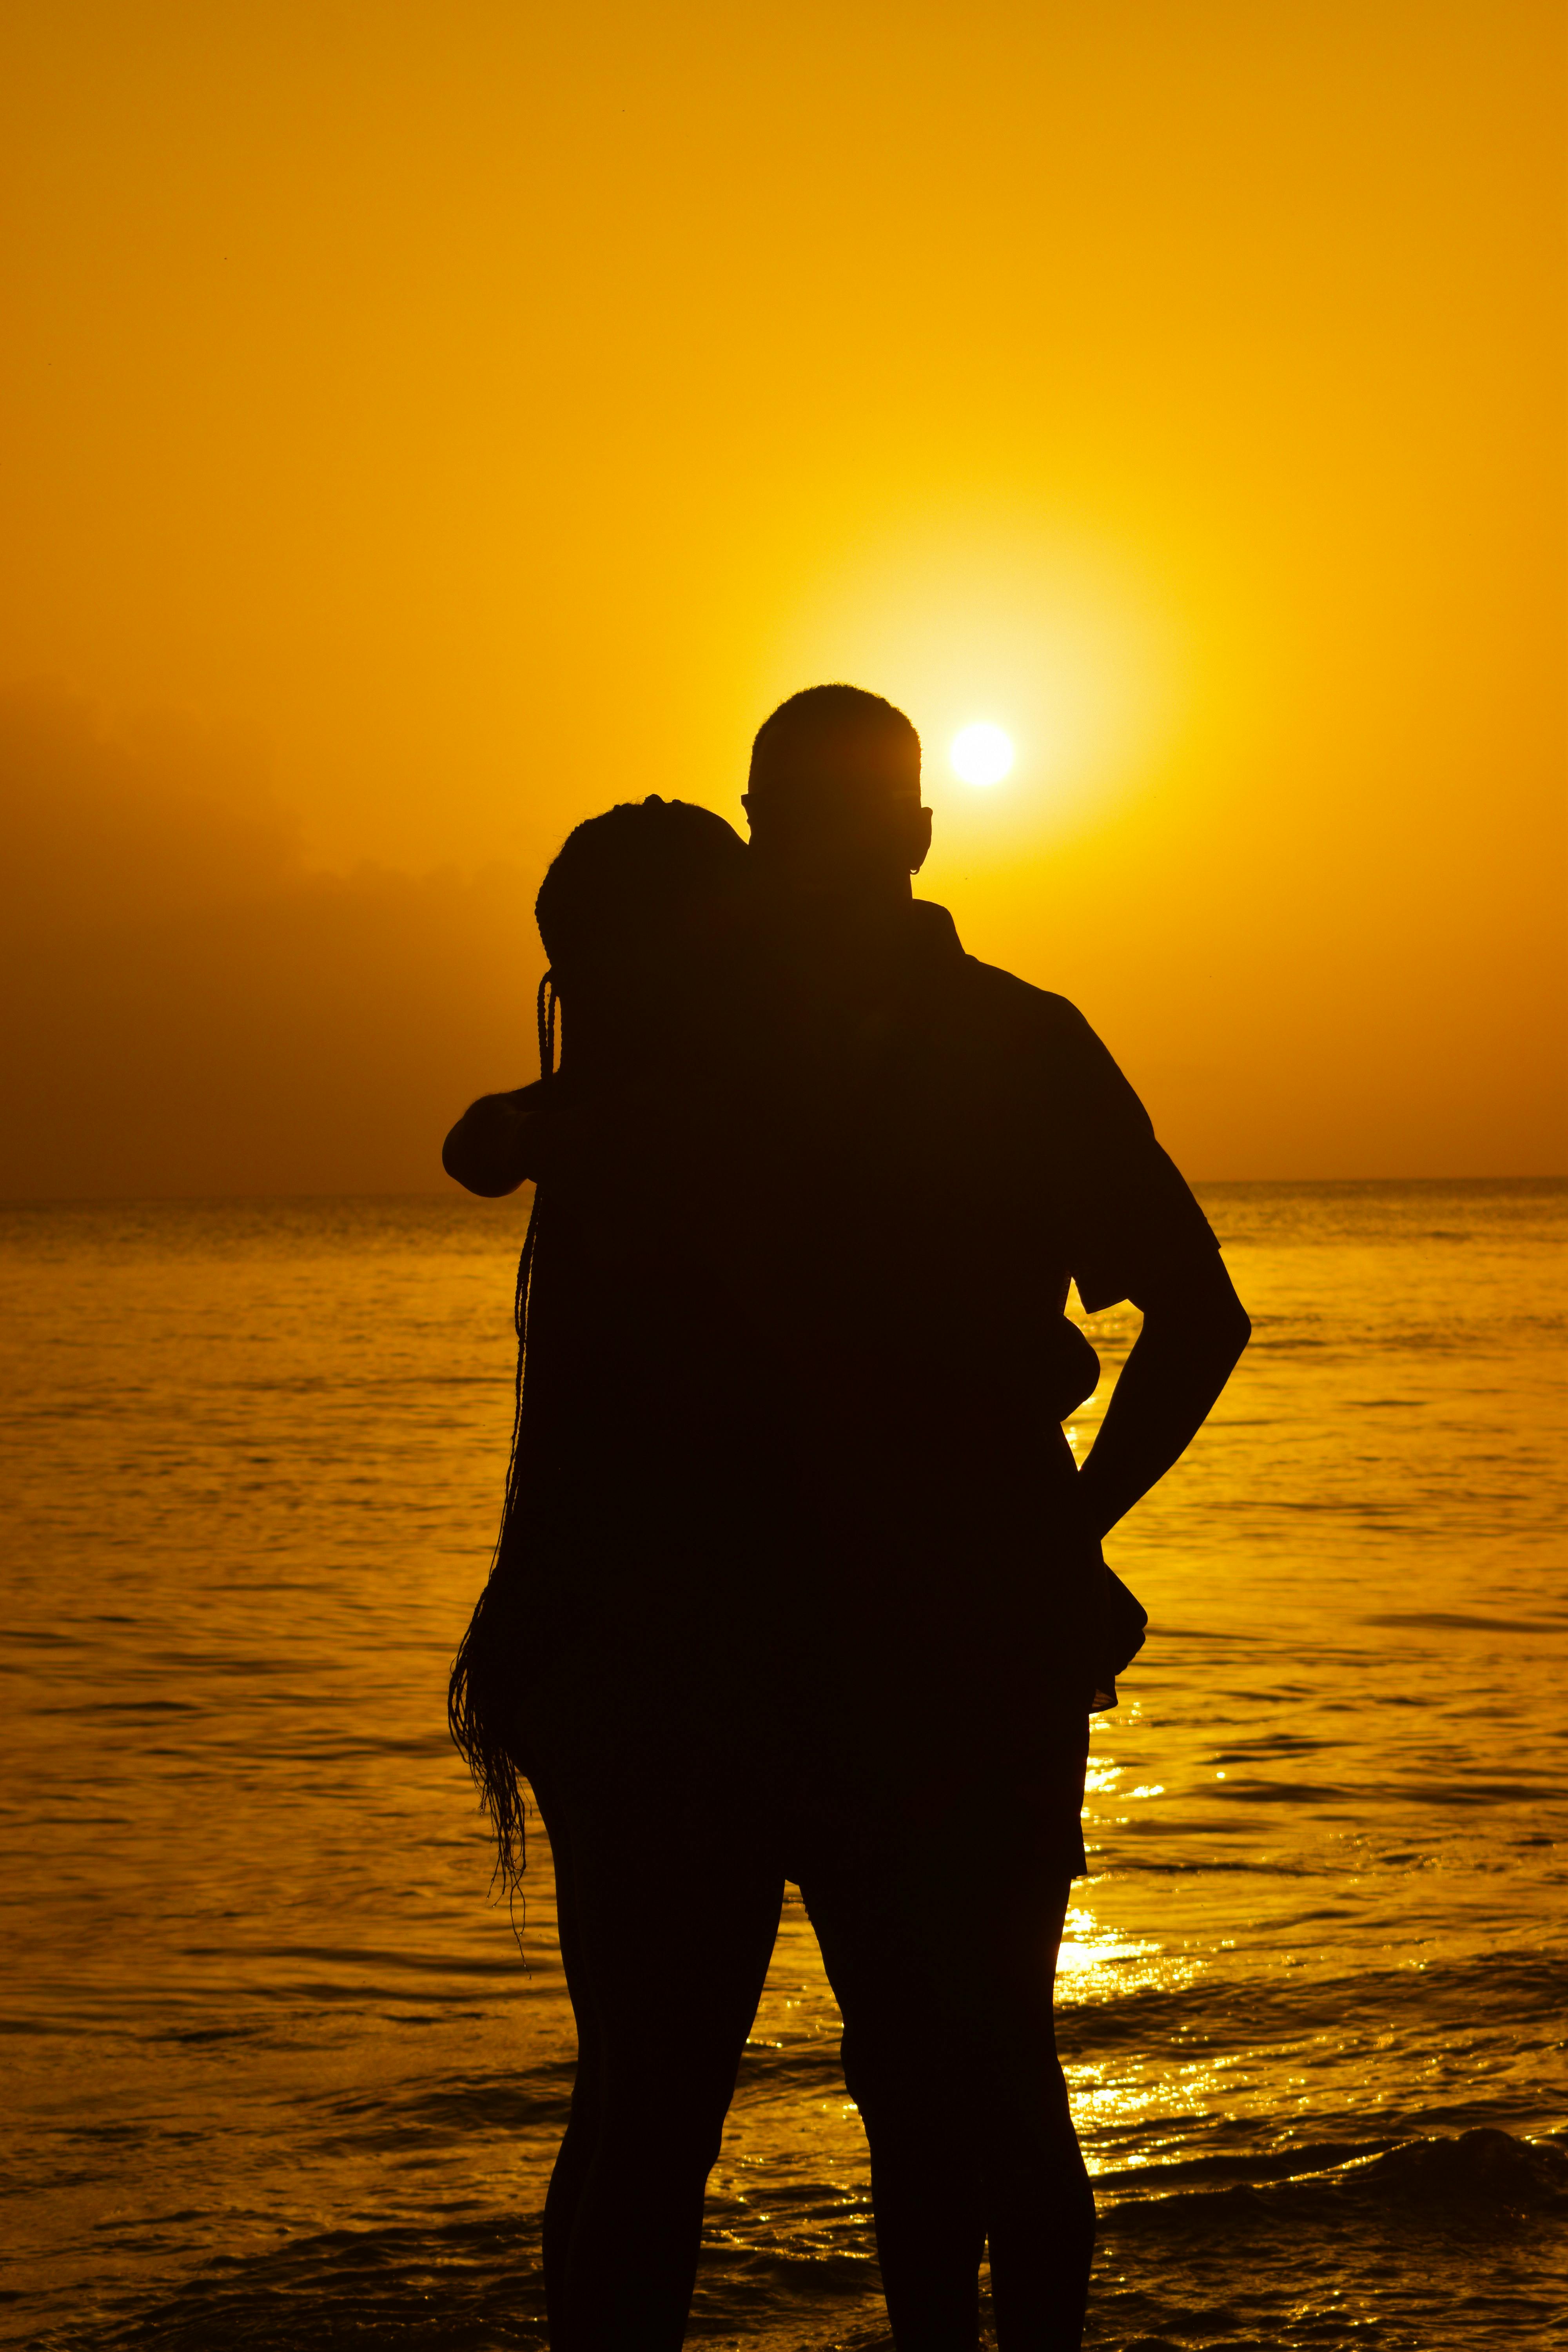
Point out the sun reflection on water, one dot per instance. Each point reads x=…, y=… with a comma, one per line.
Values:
x=1326, y=1862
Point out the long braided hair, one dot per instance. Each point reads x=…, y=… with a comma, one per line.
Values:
x=611, y=880
x=479, y=1694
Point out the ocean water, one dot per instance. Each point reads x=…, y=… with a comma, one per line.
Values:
x=276, y=2073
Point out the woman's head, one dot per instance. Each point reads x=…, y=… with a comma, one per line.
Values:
x=634, y=907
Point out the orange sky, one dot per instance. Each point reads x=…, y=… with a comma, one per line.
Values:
x=421, y=426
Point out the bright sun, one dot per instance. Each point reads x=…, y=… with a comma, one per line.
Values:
x=981, y=754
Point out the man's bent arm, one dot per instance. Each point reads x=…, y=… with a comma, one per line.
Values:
x=492, y=1148
x=1194, y=1328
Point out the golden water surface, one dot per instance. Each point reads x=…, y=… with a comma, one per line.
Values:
x=277, y=2071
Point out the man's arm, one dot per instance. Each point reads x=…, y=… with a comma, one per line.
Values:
x=1194, y=1328
x=492, y=1149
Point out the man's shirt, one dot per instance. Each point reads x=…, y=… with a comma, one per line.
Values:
x=969, y=1147
x=960, y=1146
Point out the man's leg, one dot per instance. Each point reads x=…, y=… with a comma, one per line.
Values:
x=941, y=1950
x=1039, y=2207
x=910, y=2087
x=670, y=1929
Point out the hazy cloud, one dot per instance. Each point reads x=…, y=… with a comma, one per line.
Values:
x=191, y=1010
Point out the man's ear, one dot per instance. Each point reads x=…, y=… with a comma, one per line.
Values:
x=919, y=838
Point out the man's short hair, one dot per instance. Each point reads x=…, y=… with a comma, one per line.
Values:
x=837, y=739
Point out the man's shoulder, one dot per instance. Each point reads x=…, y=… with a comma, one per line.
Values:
x=991, y=990
x=1037, y=1040
x=1010, y=1021
x=1018, y=1017
x=1020, y=1000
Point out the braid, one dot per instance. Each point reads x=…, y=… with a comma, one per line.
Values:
x=478, y=1712
x=544, y=1007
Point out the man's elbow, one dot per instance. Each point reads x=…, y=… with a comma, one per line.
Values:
x=457, y=1159
x=1234, y=1329
x=472, y=1157
x=1225, y=1322
x=1203, y=1312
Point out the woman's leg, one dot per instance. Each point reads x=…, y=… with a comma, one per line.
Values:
x=576, y=2150
x=669, y=1924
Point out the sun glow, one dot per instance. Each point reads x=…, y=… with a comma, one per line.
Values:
x=981, y=754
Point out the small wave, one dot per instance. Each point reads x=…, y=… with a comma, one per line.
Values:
x=498, y=2106
x=1172, y=2267
x=465, y=2285
x=1443, y=1621
x=1483, y=2180
x=1524, y=1989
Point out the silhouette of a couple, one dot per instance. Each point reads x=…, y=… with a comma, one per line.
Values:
x=798, y=1579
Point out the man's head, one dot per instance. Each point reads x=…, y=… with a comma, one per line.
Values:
x=835, y=794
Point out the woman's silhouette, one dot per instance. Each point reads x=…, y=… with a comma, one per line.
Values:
x=617, y=1657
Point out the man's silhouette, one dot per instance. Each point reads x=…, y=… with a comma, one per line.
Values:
x=1045, y=1151
x=964, y=1145
x=871, y=1673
